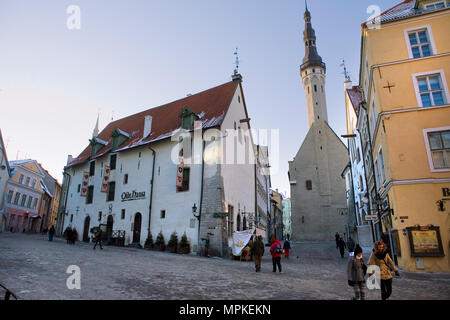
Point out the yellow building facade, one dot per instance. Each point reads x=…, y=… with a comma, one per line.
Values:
x=405, y=64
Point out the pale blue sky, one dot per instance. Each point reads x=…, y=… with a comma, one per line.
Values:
x=129, y=56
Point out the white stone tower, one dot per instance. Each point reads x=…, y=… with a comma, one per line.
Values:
x=318, y=201
x=313, y=72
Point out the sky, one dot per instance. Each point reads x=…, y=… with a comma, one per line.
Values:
x=122, y=57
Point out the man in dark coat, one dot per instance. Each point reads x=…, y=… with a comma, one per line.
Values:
x=350, y=244
x=257, y=249
x=98, y=238
x=342, y=246
x=51, y=233
x=337, y=236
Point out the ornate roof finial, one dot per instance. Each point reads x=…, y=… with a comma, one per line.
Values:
x=346, y=74
x=95, y=133
x=236, y=76
x=236, y=62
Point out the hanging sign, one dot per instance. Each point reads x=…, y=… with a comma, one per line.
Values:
x=180, y=172
x=105, y=179
x=84, y=185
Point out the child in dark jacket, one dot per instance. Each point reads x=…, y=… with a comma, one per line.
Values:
x=356, y=272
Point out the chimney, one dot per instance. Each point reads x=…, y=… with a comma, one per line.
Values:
x=69, y=159
x=147, y=126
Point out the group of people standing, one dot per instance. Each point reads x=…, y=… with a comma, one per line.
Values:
x=276, y=250
x=71, y=235
x=357, y=269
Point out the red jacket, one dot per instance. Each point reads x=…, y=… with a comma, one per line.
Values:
x=272, y=249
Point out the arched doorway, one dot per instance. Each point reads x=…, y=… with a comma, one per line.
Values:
x=137, y=228
x=87, y=222
x=109, y=228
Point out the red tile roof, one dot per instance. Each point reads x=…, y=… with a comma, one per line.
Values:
x=356, y=98
x=210, y=105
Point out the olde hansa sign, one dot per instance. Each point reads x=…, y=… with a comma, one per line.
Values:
x=134, y=195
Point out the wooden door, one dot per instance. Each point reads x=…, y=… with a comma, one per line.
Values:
x=137, y=228
x=87, y=222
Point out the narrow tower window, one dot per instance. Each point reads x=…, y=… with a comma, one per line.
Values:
x=315, y=88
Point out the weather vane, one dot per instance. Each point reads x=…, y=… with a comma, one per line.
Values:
x=237, y=60
x=345, y=73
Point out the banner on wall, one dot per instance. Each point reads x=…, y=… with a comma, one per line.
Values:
x=180, y=168
x=84, y=184
x=105, y=179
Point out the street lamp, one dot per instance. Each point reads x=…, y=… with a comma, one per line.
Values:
x=194, y=211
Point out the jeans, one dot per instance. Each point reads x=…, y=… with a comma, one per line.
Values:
x=386, y=288
x=276, y=262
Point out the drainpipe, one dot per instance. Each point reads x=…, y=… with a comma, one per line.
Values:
x=151, y=192
x=201, y=198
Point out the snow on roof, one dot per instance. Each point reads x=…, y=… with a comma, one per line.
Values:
x=404, y=10
x=211, y=105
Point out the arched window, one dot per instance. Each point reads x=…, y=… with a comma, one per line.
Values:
x=238, y=222
x=244, y=223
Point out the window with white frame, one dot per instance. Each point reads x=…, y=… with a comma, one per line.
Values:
x=431, y=90
x=436, y=5
x=438, y=144
x=420, y=43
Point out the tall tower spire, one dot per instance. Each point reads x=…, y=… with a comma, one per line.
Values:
x=312, y=71
x=95, y=132
x=311, y=58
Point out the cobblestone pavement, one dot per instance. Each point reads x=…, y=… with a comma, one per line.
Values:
x=35, y=268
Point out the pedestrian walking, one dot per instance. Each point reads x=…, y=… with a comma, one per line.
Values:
x=356, y=272
x=98, y=238
x=68, y=234
x=74, y=235
x=382, y=260
x=257, y=249
x=286, y=248
x=337, y=236
x=276, y=250
x=51, y=233
x=342, y=246
x=350, y=246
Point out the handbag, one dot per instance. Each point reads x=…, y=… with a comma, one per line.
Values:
x=364, y=267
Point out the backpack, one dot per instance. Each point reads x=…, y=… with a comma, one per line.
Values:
x=278, y=249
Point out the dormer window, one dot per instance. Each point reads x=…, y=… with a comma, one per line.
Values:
x=96, y=145
x=118, y=138
x=188, y=117
x=435, y=5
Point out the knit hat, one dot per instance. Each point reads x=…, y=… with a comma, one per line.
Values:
x=358, y=250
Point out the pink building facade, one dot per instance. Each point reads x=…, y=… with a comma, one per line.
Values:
x=23, y=197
